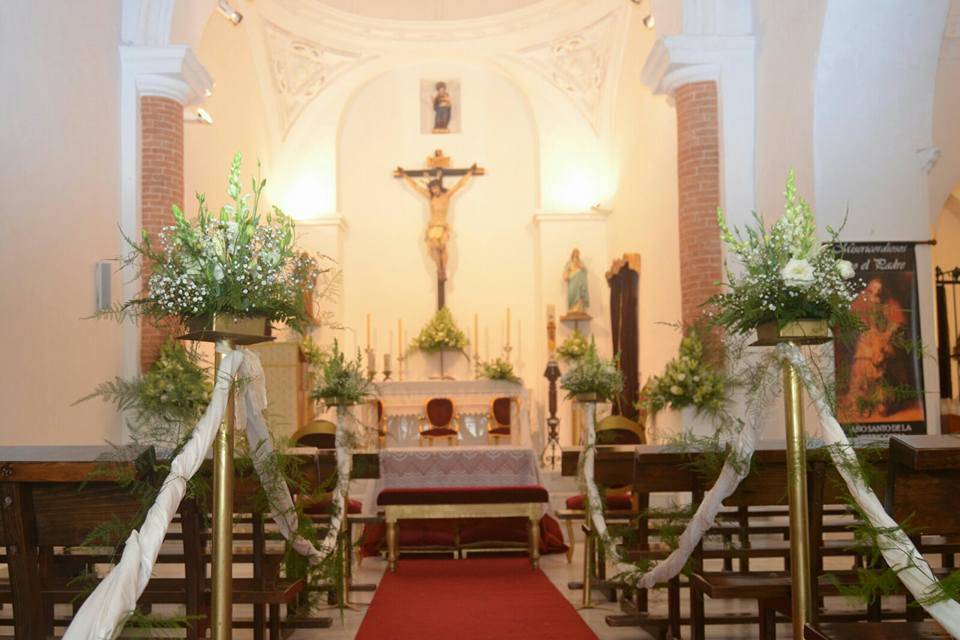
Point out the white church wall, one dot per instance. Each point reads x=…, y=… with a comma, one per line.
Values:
x=788, y=39
x=58, y=217
x=873, y=128
x=644, y=218
x=239, y=120
x=946, y=126
x=387, y=271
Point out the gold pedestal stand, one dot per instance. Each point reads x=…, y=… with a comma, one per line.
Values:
x=801, y=332
x=235, y=332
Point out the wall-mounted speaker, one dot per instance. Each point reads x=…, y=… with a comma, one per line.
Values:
x=103, y=273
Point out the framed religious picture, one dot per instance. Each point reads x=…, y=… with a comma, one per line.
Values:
x=440, y=106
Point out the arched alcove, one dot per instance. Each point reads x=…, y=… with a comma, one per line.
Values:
x=387, y=270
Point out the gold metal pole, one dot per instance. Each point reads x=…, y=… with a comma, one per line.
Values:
x=221, y=612
x=797, y=495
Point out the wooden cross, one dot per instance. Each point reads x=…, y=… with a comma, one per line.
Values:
x=438, y=197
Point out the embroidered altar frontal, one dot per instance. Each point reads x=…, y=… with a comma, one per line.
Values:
x=416, y=468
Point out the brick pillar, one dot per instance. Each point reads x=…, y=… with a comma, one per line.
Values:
x=161, y=185
x=698, y=160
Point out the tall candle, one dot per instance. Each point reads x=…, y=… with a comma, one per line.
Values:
x=508, y=326
x=390, y=342
x=386, y=362
x=371, y=361
x=476, y=333
x=368, y=331
x=400, y=338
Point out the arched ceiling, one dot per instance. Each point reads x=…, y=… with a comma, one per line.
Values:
x=424, y=10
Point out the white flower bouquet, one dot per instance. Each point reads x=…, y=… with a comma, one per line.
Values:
x=788, y=274
x=234, y=263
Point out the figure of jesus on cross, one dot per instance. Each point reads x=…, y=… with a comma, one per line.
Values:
x=438, y=228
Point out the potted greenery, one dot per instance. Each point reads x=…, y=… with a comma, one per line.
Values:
x=592, y=378
x=792, y=287
x=688, y=390
x=441, y=334
x=232, y=272
x=340, y=382
x=499, y=369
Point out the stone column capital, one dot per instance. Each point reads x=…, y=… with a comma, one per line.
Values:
x=171, y=71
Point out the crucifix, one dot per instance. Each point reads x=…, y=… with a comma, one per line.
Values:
x=438, y=229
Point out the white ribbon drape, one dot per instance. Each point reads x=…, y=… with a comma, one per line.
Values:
x=102, y=615
x=900, y=554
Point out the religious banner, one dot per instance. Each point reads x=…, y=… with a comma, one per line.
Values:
x=880, y=370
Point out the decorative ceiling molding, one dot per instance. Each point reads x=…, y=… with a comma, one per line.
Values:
x=351, y=25
x=300, y=70
x=578, y=64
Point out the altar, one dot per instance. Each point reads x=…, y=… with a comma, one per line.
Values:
x=404, y=403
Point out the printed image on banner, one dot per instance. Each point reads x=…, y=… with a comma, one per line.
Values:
x=880, y=370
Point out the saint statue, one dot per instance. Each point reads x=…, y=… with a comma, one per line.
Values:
x=438, y=229
x=578, y=294
x=442, y=108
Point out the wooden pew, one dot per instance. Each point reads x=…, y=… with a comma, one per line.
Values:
x=36, y=483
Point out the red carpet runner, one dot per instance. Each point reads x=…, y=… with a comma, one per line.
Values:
x=475, y=599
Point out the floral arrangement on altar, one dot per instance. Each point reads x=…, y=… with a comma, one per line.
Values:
x=499, y=369
x=237, y=263
x=440, y=333
x=688, y=380
x=573, y=348
x=340, y=381
x=593, y=375
x=788, y=274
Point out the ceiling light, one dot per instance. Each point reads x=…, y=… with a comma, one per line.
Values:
x=228, y=12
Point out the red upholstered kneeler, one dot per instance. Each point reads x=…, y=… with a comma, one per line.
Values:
x=443, y=533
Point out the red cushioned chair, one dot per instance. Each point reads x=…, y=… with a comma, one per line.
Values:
x=611, y=430
x=498, y=420
x=440, y=421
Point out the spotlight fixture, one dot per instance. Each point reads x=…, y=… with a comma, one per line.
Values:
x=199, y=115
x=228, y=12
x=649, y=22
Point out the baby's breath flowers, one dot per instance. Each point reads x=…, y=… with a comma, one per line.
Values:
x=236, y=263
x=788, y=274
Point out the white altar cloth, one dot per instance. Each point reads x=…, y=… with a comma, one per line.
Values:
x=403, y=402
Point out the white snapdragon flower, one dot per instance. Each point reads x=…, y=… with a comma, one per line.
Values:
x=218, y=273
x=798, y=273
x=845, y=269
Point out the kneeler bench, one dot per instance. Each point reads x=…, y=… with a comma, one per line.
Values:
x=460, y=503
